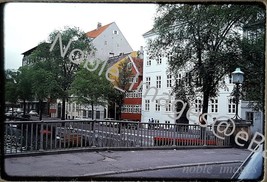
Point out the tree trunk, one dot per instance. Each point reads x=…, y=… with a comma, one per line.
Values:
x=24, y=107
x=92, y=111
x=40, y=109
x=63, y=108
x=119, y=111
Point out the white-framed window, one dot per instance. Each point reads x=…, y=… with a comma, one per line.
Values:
x=123, y=109
x=159, y=59
x=148, y=62
x=168, y=124
x=132, y=80
x=158, y=81
x=169, y=57
x=157, y=106
x=148, y=79
x=169, y=80
x=198, y=105
x=168, y=106
x=115, y=32
x=214, y=105
x=231, y=106
x=147, y=104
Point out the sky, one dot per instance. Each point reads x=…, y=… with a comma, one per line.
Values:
x=28, y=24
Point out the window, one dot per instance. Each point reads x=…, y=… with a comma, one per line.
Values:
x=147, y=103
x=214, y=105
x=115, y=32
x=90, y=114
x=157, y=106
x=73, y=107
x=123, y=109
x=168, y=124
x=97, y=114
x=159, y=59
x=170, y=57
x=169, y=80
x=158, y=82
x=168, y=106
x=127, y=109
x=132, y=79
x=147, y=82
x=231, y=105
x=198, y=105
x=148, y=62
x=249, y=117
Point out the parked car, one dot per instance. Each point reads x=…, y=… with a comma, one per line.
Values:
x=33, y=113
x=252, y=167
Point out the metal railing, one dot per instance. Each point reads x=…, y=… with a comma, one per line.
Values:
x=35, y=136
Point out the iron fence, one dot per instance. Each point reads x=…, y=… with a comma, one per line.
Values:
x=35, y=136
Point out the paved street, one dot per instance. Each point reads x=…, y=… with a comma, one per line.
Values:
x=190, y=163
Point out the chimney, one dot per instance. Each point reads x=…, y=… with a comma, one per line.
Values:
x=141, y=53
x=99, y=25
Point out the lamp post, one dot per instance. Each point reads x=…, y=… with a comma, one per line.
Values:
x=238, y=78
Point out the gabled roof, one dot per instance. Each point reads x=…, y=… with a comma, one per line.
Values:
x=152, y=31
x=138, y=64
x=28, y=52
x=96, y=32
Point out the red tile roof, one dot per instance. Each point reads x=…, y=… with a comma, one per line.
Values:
x=139, y=64
x=96, y=32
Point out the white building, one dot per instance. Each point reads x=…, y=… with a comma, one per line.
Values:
x=108, y=41
x=158, y=86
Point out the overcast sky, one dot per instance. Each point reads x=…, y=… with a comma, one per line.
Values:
x=27, y=24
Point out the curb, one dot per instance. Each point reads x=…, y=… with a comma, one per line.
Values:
x=100, y=174
x=96, y=149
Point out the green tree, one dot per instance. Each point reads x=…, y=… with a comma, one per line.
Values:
x=43, y=85
x=24, y=85
x=62, y=60
x=91, y=88
x=203, y=40
x=11, y=88
x=253, y=55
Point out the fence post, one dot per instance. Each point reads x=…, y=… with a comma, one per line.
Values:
x=93, y=134
x=138, y=137
x=41, y=136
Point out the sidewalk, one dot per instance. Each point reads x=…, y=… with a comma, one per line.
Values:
x=117, y=162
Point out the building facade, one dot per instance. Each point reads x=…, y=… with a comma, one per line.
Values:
x=109, y=41
x=158, y=102
x=131, y=108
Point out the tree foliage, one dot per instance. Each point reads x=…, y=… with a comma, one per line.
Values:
x=253, y=49
x=91, y=87
x=59, y=61
x=203, y=40
x=11, y=88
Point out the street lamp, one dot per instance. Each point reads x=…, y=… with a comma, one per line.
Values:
x=237, y=78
